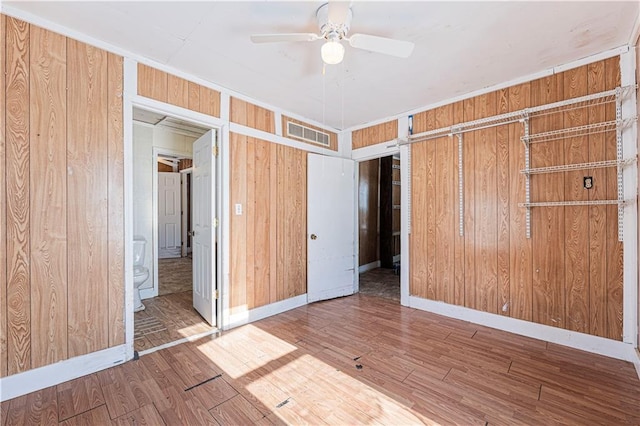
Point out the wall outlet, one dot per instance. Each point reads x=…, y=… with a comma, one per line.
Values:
x=238, y=209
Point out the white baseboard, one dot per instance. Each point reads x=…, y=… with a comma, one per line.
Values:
x=573, y=339
x=368, y=267
x=241, y=318
x=60, y=372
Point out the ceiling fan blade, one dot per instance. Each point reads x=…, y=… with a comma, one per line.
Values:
x=338, y=11
x=388, y=46
x=286, y=37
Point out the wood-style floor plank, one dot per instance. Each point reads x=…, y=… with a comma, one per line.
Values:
x=353, y=360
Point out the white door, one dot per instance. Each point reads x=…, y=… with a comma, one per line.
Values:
x=203, y=243
x=169, y=218
x=331, y=227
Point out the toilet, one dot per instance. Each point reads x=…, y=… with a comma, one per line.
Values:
x=140, y=272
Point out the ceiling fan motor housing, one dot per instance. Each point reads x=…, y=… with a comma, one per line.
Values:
x=333, y=30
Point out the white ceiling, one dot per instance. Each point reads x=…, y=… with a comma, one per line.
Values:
x=459, y=47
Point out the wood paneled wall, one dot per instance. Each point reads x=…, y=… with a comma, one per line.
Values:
x=368, y=183
x=269, y=238
x=375, y=134
x=250, y=115
x=569, y=274
x=165, y=87
x=62, y=198
x=333, y=137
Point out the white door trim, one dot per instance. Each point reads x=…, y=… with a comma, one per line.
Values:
x=184, y=200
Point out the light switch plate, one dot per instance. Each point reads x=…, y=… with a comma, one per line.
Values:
x=238, y=209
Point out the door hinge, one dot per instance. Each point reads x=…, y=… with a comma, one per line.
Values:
x=215, y=151
x=217, y=295
x=216, y=222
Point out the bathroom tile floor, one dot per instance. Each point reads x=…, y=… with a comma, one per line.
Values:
x=167, y=319
x=174, y=275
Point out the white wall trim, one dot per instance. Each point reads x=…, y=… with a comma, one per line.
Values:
x=544, y=73
x=369, y=266
x=270, y=137
x=242, y=318
x=630, y=221
x=193, y=338
x=50, y=375
x=224, y=301
x=379, y=150
x=573, y=339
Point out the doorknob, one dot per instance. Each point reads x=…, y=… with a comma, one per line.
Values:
x=314, y=236
x=191, y=233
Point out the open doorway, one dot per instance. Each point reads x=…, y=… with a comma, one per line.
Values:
x=164, y=170
x=379, y=213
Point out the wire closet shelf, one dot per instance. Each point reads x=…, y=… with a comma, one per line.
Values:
x=525, y=116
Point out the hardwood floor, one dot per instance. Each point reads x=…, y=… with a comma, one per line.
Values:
x=167, y=319
x=353, y=360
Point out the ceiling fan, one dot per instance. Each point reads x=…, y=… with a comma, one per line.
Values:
x=334, y=20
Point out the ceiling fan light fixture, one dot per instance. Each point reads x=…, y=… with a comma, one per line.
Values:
x=332, y=52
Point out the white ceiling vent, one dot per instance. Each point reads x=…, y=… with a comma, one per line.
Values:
x=307, y=134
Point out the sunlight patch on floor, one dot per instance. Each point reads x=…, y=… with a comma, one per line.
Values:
x=244, y=349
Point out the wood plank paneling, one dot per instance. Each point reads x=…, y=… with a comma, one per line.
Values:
x=520, y=258
x=486, y=208
x=250, y=115
x=3, y=205
x=418, y=237
x=209, y=101
x=503, y=192
x=569, y=273
x=238, y=188
x=445, y=205
x=281, y=222
x=115, y=193
x=333, y=137
x=268, y=250
x=87, y=198
x=298, y=259
x=382, y=132
x=597, y=214
x=469, y=155
x=177, y=91
x=458, y=248
x=262, y=220
x=614, y=247
x=194, y=96
x=48, y=183
x=431, y=211
x=152, y=83
x=252, y=214
x=165, y=87
x=547, y=223
x=273, y=223
x=63, y=294
x=368, y=211
x=17, y=193
x=576, y=239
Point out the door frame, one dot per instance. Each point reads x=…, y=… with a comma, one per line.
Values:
x=221, y=280
x=157, y=152
x=378, y=151
x=185, y=201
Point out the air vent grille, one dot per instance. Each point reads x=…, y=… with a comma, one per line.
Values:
x=307, y=134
